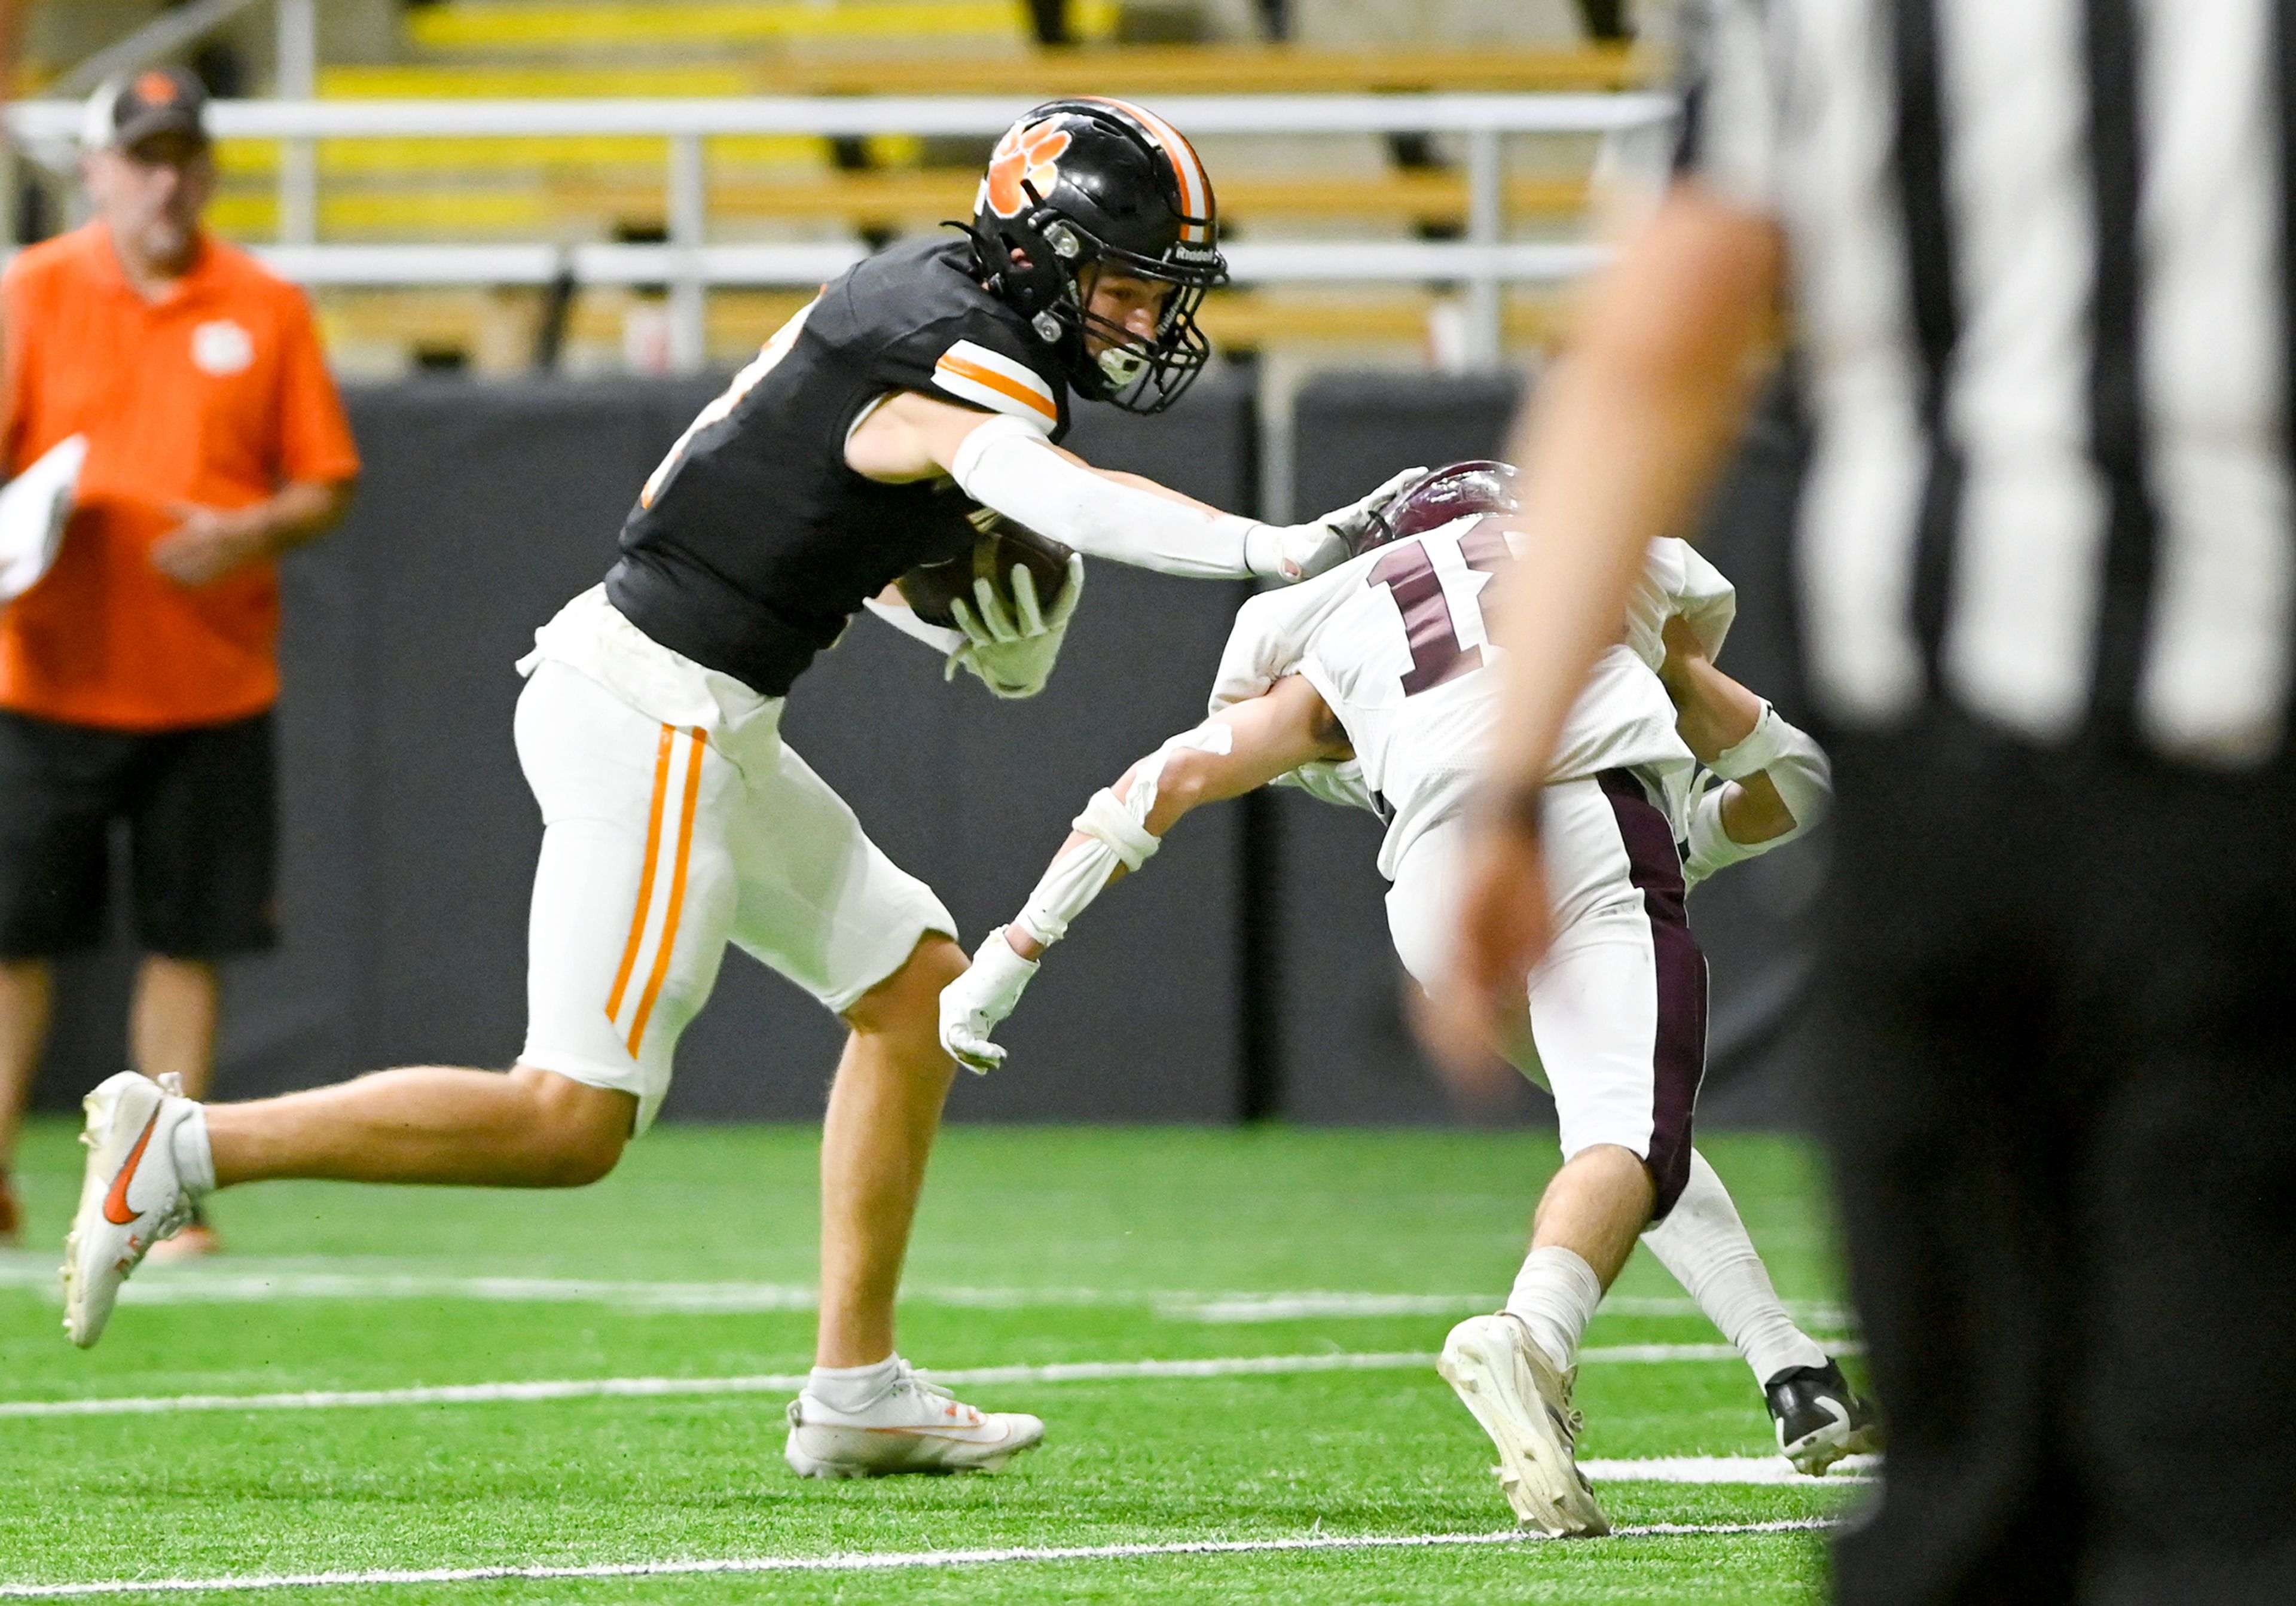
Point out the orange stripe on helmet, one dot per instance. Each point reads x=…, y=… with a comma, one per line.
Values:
x=1195, y=183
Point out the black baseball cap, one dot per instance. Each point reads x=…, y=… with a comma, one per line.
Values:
x=159, y=99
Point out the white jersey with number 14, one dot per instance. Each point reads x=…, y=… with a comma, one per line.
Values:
x=1396, y=643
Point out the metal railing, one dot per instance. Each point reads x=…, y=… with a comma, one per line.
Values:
x=1635, y=127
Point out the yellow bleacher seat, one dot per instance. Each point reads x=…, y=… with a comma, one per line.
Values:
x=532, y=26
x=1151, y=69
x=1141, y=69
x=556, y=81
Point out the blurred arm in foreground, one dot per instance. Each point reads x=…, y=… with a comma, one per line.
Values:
x=1625, y=437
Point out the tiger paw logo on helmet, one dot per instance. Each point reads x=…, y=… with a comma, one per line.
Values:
x=1025, y=158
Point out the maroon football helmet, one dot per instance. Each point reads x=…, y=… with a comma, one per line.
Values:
x=1451, y=492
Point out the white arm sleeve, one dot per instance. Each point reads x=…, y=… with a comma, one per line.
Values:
x=1795, y=766
x=1010, y=466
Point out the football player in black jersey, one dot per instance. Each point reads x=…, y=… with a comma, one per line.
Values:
x=675, y=820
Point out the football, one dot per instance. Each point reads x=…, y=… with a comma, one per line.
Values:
x=931, y=588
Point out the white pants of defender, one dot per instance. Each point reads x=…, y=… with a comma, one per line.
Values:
x=660, y=844
x=1618, y=1025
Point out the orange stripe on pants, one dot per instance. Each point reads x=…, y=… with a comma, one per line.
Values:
x=677, y=891
x=645, y=876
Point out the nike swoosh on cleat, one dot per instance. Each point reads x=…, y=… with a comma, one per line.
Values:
x=114, y=1202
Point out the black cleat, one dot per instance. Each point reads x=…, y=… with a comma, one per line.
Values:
x=1820, y=1418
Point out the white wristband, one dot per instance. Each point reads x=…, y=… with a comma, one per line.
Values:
x=1263, y=550
x=1109, y=818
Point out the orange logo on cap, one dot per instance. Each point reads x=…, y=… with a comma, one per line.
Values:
x=156, y=89
x=1024, y=156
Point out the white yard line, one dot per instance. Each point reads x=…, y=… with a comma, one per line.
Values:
x=607, y=1388
x=1729, y=1469
x=246, y=1281
x=865, y=1562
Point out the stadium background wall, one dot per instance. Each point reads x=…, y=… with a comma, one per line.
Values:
x=1249, y=974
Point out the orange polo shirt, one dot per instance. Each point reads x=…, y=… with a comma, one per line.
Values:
x=216, y=394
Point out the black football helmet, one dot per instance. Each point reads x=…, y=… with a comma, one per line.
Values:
x=1092, y=182
x=1454, y=491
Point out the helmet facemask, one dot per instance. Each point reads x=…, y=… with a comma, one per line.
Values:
x=1139, y=373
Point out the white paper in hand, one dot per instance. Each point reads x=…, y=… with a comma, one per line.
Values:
x=34, y=508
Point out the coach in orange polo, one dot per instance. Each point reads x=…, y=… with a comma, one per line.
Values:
x=137, y=678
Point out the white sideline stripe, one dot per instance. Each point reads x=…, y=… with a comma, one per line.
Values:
x=1730, y=1468
x=885, y=1561
x=605, y=1388
x=253, y=1282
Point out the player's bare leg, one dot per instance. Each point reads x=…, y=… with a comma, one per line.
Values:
x=884, y=1109
x=1513, y=1370
x=864, y=1412
x=27, y=995
x=171, y=1032
x=153, y=1153
x=171, y=1025
x=428, y=1124
x=1597, y=1207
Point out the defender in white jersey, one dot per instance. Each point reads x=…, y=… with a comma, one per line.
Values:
x=1367, y=688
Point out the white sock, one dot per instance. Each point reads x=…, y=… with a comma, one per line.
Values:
x=1555, y=1295
x=853, y=1388
x=1704, y=1244
x=194, y=1155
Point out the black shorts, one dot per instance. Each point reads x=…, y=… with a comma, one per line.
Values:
x=201, y=809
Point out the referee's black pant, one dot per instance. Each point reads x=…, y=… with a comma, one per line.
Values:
x=2063, y=1124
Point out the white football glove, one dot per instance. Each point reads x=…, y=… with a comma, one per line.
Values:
x=1014, y=658
x=1301, y=552
x=973, y=1005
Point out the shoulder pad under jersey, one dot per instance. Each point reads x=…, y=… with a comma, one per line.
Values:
x=923, y=323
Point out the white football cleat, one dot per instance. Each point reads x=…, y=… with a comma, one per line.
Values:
x=1524, y=1403
x=130, y=1196
x=913, y=1427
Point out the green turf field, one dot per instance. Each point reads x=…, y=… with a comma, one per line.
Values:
x=1344, y=1256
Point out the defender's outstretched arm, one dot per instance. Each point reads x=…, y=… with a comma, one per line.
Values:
x=1238, y=750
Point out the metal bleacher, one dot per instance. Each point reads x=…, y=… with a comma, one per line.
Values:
x=583, y=188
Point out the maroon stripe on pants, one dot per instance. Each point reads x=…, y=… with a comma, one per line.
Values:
x=1679, y=1053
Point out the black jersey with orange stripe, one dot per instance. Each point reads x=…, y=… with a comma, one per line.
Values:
x=753, y=543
